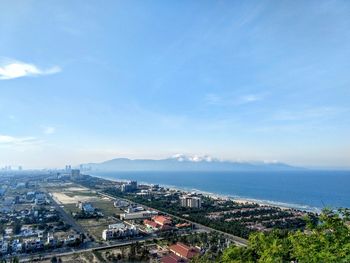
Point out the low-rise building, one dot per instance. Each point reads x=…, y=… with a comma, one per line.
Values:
x=86, y=207
x=117, y=231
x=4, y=246
x=40, y=198
x=51, y=241
x=16, y=246
x=138, y=215
x=71, y=239
x=183, y=251
x=150, y=225
x=172, y=258
x=33, y=244
x=120, y=203
x=162, y=220
x=158, y=223
x=133, y=209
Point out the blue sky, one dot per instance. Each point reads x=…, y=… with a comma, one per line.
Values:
x=85, y=81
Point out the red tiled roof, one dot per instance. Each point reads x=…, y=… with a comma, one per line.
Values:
x=162, y=220
x=172, y=258
x=183, y=251
x=150, y=223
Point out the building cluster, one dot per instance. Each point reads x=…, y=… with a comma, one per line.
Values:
x=119, y=231
x=133, y=211
x=36, y=243
x=31, y=197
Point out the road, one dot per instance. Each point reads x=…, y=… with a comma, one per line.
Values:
x=49, y=255
x=65, y=216
x=237, y=240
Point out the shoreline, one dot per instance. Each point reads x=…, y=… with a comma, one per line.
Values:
x=238, y=199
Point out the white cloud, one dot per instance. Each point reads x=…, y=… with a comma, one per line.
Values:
x=309, y=113
x=11, y=69
x=49, y=130
x=213, y=99
x=229, y=100
x=249, y=98
x=6, y=140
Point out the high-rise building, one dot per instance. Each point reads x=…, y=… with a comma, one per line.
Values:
x=191, y=201
x=68, y=168
x=129, y=186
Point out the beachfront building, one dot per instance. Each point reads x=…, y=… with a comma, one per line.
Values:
x=191, y=201
x=129, y=186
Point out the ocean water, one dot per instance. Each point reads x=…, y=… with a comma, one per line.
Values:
x=309, y=190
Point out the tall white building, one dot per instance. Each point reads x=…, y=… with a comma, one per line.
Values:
x=191, y=201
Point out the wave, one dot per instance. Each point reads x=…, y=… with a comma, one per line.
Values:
x=238, y=198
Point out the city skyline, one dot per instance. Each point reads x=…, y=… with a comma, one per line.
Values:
x=251, y=81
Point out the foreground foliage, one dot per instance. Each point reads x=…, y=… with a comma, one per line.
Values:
x=327, y=241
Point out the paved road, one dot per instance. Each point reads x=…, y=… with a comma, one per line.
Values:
x=65, y=216
x=237, y=240
x=49, y=255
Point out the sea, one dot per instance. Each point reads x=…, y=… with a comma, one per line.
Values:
x=308, y=190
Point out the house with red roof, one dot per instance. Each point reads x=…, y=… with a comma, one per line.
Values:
x=172, y=258
x=151, y=224
x=158, y=223
x=162, y=220
x=183, y=251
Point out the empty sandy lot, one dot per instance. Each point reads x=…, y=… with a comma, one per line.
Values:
x=65, y=199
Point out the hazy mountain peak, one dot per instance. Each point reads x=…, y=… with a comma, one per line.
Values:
x=183, y=162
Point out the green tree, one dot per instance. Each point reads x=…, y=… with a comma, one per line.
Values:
x=328, y=242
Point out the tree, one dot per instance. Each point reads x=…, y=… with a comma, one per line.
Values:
x=328, y=241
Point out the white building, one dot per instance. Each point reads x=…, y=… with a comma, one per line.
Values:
x=191, y=201
x=116, y=231
x=86, y=207
x=4, y=246
x=40, y=198
x=16, y=246
x=120, y=203
x=138, y=215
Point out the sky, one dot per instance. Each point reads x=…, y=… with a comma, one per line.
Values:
x=87, y=81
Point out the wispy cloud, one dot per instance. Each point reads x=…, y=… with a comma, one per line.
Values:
x=220, y=100
x=11, y=140
x=11, y=69
x=49, y=130
x=249, y=98
x=213, y=99
x=309, y=113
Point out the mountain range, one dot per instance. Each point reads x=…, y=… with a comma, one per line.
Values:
x=182, y=162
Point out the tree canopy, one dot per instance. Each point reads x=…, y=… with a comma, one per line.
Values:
x=328, y=240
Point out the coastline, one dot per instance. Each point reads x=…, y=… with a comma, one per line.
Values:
x=238, y=199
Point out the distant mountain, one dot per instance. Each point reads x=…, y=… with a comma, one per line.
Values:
x=182, y=162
